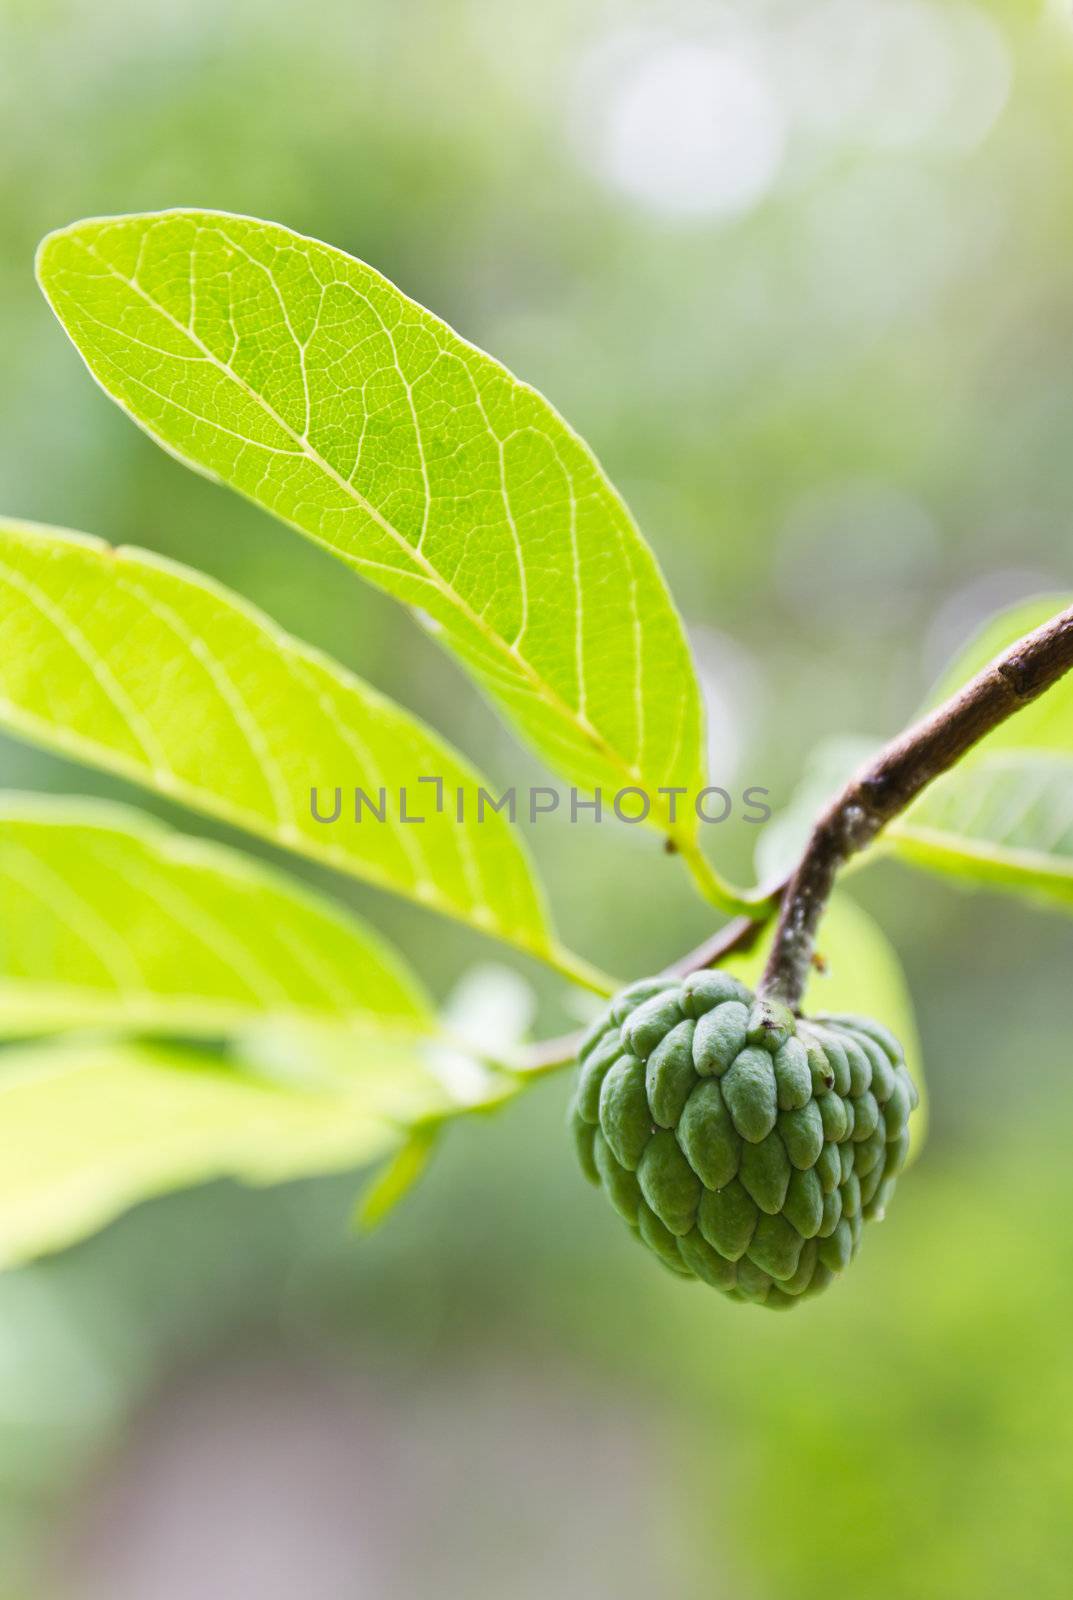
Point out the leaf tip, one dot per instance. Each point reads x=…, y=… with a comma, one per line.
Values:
x=391, y=1183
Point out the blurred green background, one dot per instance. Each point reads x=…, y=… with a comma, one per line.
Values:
x=801, y=273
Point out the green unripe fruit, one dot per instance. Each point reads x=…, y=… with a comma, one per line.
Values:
x=744, y=1146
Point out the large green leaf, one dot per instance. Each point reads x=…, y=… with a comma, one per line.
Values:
x=148, y=669
x=1045, y=724
x=112, y=920
x=1003, y=818
x=304, y=379
x=89, y=1128
x=859, y=972
x=1005, y=821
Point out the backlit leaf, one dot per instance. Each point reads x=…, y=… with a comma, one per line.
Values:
x=1003, y=818
x=141, y=666
x=112, y=920
x=89, y=1128
x=305, y=380
x=1004, y=822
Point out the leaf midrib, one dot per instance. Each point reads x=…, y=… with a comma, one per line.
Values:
x=203, y=1013
x=1051, y=866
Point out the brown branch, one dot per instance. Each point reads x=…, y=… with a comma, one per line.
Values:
x=741, y=934
x=877, y=794
x=884, y=788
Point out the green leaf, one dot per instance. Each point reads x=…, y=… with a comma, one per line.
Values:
x=91, y=1128
x=304, y=379
x=115, y=924
x=1045, y=724
x=1005, y=822
x=111, y=920
x=860, y=973
x=149, y=670
x=1003, y=818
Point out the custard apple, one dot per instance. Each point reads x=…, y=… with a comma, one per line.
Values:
x=743, y=1145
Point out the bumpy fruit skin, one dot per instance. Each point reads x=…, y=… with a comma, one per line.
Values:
x=743, y=1145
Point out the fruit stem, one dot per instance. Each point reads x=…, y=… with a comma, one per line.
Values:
x=887, y=784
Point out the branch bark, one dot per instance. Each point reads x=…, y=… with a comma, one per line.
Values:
x=877, y=794
x=889, y=783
